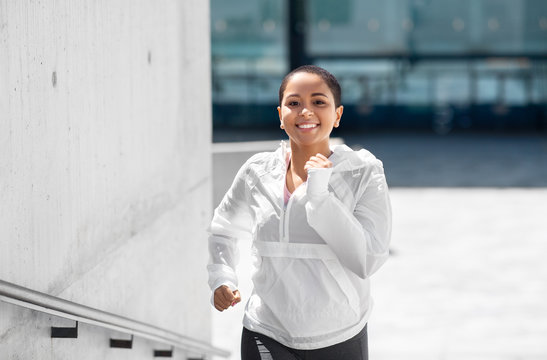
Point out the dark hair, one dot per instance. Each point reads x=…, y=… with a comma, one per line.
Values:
x=327, y=77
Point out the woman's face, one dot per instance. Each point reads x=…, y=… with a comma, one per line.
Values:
x=307, y=111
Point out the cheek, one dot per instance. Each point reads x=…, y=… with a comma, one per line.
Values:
x=286, y=113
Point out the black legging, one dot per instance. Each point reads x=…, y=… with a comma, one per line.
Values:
x=255, y=346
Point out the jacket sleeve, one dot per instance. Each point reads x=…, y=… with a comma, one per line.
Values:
x=359, y=239
x=231, y=221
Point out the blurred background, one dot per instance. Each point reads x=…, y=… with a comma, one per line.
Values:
x=452, y=97
x=436, y=65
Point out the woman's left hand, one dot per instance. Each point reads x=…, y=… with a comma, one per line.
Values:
x=318, y=161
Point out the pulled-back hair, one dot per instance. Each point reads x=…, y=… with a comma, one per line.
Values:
x=326, y=76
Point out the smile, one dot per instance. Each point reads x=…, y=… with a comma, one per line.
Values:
x=307, y=126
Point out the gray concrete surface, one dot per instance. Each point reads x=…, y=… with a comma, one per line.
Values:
x=467, y=278
x=105, y=168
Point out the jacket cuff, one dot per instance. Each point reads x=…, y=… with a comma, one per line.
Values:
x=318, y=183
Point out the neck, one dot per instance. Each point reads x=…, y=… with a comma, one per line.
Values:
x=301, y=154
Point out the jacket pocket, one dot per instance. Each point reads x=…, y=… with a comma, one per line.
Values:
x=306, y=288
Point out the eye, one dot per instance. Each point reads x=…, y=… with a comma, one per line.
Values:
x=293, y=103
x=319, y=102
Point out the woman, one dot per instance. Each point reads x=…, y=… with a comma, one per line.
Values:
x=320, y=221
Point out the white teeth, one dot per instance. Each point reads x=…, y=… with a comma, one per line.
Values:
x=307, y=126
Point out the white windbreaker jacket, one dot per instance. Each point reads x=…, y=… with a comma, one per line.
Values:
x=315, y=255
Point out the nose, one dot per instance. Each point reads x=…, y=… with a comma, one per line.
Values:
x=306, y=112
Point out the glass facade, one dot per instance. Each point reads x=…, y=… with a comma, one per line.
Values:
x=400, y=62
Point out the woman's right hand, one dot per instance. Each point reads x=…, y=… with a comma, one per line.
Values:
x=224, y=297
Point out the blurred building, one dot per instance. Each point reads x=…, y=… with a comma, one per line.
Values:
x=403, y=64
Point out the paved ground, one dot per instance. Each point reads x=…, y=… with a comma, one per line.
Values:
x=468, y=276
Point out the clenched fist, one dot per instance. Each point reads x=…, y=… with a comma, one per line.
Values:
x=224, y=297
x=318, y=161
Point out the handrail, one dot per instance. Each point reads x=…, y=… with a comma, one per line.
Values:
x=35, y=300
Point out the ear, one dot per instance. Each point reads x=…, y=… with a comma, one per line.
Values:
x=279, y=113
x=339, y=112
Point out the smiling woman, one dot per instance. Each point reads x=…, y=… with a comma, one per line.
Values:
x=308, y=111
x=320, y=220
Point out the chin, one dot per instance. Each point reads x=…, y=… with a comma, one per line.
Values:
x=309, y=142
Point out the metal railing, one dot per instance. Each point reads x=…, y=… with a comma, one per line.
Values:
x=35, y=300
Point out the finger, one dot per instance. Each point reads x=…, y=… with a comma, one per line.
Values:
x=323, y=158
x=323, y=162
x=315, y=164
x=315, y=160
x=221, y=289
x=227, y=295
x=310, y=165
x=221, y=302
x=220, y=298
x=219, y=307
x=319, y=159
x=237, y=297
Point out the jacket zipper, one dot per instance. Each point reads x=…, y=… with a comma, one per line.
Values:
x=283, y=236
x=285, y=219
x=282, y=223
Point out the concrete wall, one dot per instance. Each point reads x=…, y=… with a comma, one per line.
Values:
x=105, y=186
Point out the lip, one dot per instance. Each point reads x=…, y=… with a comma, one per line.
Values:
x=309, y=126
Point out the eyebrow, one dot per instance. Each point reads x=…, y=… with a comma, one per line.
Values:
x=319, y=94
x=314, y=94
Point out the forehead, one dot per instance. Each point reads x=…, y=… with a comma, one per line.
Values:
x=303, y=83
